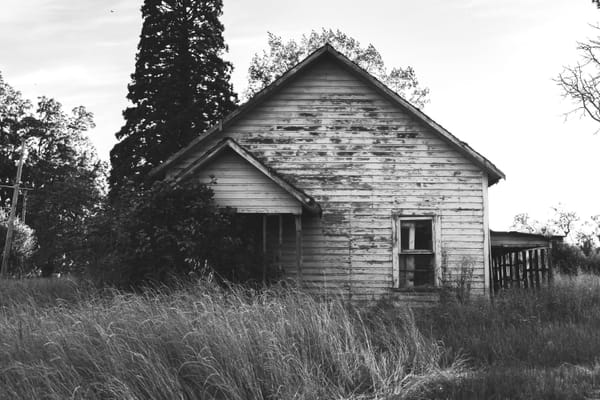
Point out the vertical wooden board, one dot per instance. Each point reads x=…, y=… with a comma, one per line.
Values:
x=515, y=268
x=530, y=254
x=550, y=263
x=279, y=242
x=543, y=266
x=298, y=224
x=486, y=233
x=264, y=247
x=525, y=269
x=437, y=235
x=495, y=262
x=395, y=251
x=536, y=257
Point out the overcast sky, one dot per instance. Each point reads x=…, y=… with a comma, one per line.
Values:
x=489, y=65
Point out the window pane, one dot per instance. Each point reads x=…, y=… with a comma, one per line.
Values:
x=424, y=270
x=404, y=235
x=416, y=235
x=423, y=235
x=416, y=269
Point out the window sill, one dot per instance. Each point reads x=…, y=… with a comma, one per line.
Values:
x=409, y=252
x=418, y=289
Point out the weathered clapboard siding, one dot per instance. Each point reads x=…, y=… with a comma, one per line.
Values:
x=362, y=158
x=239, y=185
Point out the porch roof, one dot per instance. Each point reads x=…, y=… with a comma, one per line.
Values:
x=521, y=240
x=306, y=202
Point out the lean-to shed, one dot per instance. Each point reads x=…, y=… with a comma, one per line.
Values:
x=360, y=192
x=521, y=260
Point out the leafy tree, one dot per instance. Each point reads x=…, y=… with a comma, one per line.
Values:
x=13, y=109
x=585, y=240
x=588, y=235
x=561, y=223
x=580, y=250
x=564, y=219
x=281, y=56
x=23, y=245
x=524, y=223
x=62, y=168
x=595, y=223
x=154, y=233
x=180, y=86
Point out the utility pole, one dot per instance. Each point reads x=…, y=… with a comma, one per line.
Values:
x=24, y=209
x=11, y=218
x=23, y=191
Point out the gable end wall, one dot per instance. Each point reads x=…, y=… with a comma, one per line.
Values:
x=362, y=159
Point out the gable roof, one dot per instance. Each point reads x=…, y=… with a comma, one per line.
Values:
x=494, y=174
x=305, y=200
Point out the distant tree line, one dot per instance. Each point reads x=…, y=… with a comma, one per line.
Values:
x=580, y=249
x=61, y=168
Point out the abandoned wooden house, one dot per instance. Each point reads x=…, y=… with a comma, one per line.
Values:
x=360, y=193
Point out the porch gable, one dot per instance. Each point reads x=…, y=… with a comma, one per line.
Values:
x=241, y=182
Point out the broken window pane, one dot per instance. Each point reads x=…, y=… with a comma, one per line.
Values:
x=416, y=235
x=416, y=270
x=416, y=259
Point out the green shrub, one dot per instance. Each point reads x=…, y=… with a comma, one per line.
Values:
x=571, y=259
x=169, y=231
x=23, y=246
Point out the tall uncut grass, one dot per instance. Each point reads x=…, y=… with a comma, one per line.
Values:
x=202, y=342
x=525, y=344
x=61, y=339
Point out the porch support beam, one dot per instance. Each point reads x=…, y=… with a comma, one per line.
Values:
x=264, y=247
x=298, y=219
x=280, y=265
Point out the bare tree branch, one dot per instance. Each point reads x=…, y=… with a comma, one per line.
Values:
x=581, y=82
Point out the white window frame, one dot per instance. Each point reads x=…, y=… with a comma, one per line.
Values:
x=436, y=249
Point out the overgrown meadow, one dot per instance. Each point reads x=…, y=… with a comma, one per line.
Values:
x=62, y=339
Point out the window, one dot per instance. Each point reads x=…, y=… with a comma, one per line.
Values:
x=414, y=251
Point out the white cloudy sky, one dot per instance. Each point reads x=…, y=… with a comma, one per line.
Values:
x=489, y=65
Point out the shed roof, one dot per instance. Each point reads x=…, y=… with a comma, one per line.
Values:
x=522, y=240
x=494, y=174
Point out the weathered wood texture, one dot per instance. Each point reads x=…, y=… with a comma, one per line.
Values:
x=531, y=268
x=239, y=185
x=362, y=158
x=521, y=240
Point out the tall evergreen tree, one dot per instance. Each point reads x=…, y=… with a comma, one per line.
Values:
x=180, y=86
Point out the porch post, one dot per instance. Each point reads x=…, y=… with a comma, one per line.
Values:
x=280, y=243
x=299, y=248
x=264, y=247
